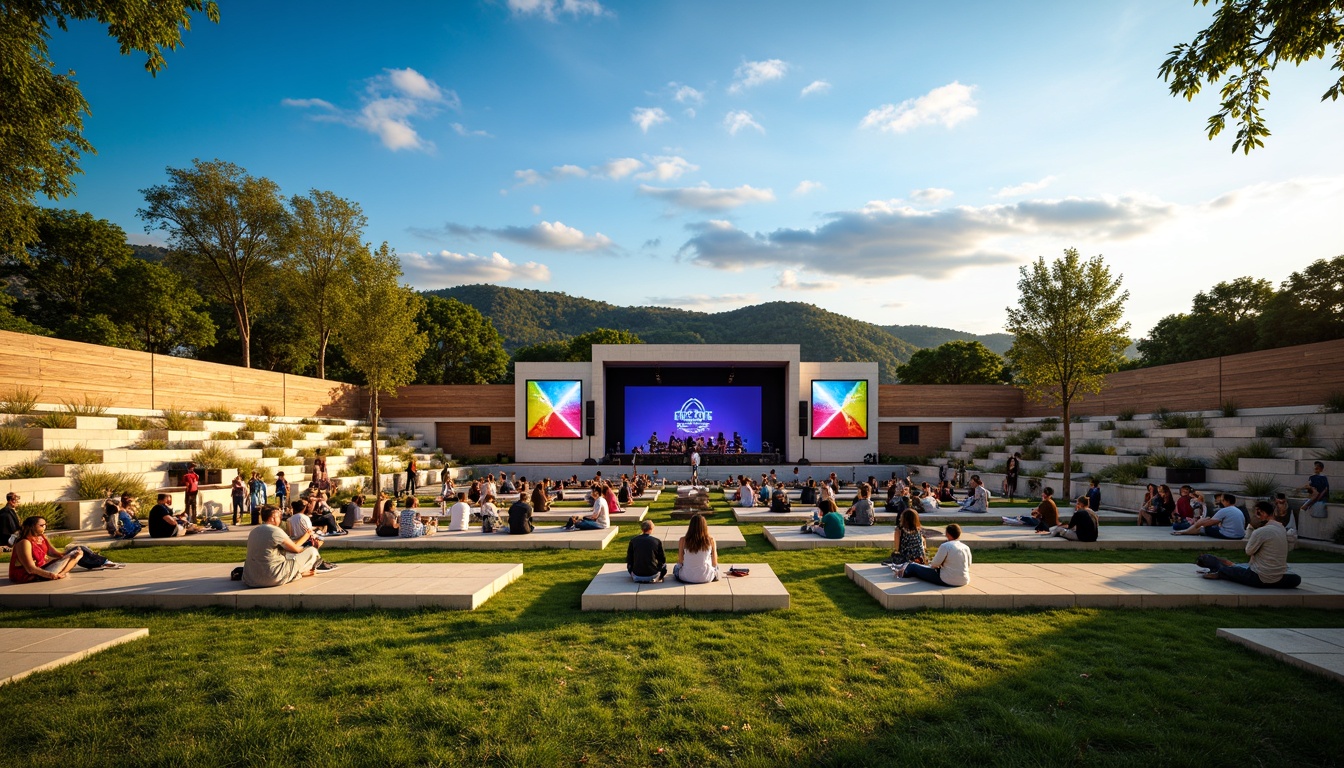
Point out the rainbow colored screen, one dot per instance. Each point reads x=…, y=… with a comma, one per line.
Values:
x=555, y=409
x=840, y=409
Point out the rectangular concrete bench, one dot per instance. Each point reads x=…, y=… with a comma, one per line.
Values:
x=1315, y=650
x=613, y=590
x=462, y=586
x=944, y=516
x=561, y=514
x=364, y=537
x=28, y=650
x=1005, y=537
x=725, y=536
x=1097, y=585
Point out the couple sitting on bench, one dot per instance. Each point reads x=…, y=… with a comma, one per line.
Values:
x=697, y=555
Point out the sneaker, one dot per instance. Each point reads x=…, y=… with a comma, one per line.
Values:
x=324, y=566
x=111, y=566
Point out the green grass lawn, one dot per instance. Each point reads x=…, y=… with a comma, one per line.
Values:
x=528, y=679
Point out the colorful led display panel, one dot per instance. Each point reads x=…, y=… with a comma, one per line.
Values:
x=555, y=409
x=840, y=409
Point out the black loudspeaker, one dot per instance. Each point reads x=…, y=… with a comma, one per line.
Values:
x=590, y=418
x=802, y=418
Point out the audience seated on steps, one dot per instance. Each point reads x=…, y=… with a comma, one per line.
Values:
x=644, y=558
x=1285, y=517
x=861, y=512
x=274, y=559
x=697, y=554
x=909, y=545
x=808, y=495
x=352, y=512
x=898, y=497
x=1158, y=506
x=1185, y=513
x=951, y=564
x=1083, y=526
x=1229, y=522
x=520, y=517
x=1267, y=549
x=1044, y=517
x=977, y=499
x=490, y=522
x=9, y=519
x=827, y=522
x=163, y=524
x=928, y=501
x=32, y=558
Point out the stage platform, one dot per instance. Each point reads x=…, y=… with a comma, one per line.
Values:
x=930, y=519
x=1097, y=585
x=363, y=537
x=613, y=590
x=462, y=586
x=28, y=650
x=684, y=460
x=1006, y=537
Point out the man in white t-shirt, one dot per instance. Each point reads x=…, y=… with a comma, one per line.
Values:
x=299, y=522
x=951, y=564
x=459, y=515
x=600, y=517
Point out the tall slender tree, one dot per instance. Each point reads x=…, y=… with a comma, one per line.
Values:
x=1067, y=333
x=325, y=231
x=225, y=228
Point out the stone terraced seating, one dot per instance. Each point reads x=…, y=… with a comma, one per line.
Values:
x=363, y=537
x=34, y=649
x=462, y=586
x=1316, y=650
x=1005, y=537
x=1097, y=585
x=943, y=516
x=613, y=590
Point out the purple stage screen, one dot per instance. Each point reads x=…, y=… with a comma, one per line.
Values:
x=692, y=411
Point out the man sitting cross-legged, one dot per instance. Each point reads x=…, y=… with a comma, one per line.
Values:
x=644, y=558
x=1267, y=548
x=520, y=517
x=1044, y=517
x=951, y=564
x=600, y=517
x=274, y=559
x=1227, y=523
x=1083, y=526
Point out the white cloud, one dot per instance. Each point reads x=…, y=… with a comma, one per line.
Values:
x=528, y=176
x=946, y=106
x=931, y=195
x=806, y=186
x=647, y=117
x=430, y=271
x=685, y=94
x=552, y=236
x=617, y=169
x=816, y=87
x=788, y=281
x=462, y=130
x=536, y=210
x=702, y=300
x=707, y=198
x=1025, y=188
x=568, y=172
x=549, y=9
x=666, y=168
x=885, y=239
x=739, y=119
x=754, y=73
x=389, y=103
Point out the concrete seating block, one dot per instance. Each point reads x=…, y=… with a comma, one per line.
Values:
x=725, y=536
x=1005, y=537
x=193, y=585
x=29, y=650
x=943, y=516
x=1157, y=585
x=1316, y=650
x=561, y=514
x=790, y=537
x=613, y=590
x=364, y=537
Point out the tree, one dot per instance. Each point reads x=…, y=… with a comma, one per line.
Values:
x=954, y=362
x=67, y=270
x=165, y=315
x=581, y=346
x=1222, y=321
x=1249, y=38
x=1309, y=307
x=464, y=347
x=1067, y=333
x=379, y=338
x=41, y=125
x=324, y=232
x=225, y=228
x=12, y=322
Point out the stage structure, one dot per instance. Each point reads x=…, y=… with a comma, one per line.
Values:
x=632, y=400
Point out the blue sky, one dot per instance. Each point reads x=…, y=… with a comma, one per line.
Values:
x=895, y=162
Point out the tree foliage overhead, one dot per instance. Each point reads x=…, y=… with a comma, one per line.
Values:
x=379, y=336
x=1246, y=40
x=955, y=362
x=41, y=124
x=69, y=267
x=164, y=314
x=1309, y=307
x=464, y=348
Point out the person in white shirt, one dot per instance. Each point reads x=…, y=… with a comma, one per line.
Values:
x=695, y=467
x=600, y=517
x=459, y=515
x=746, y=495
x=951, y=564
x=489, y=488
x=1267, y=548
x=978, y=499
x=299, y=522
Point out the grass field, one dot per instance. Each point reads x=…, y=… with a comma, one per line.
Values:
x=528, y=679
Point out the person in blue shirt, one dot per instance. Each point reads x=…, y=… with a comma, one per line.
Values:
x=1319, y=486
x=1094, y=497
x=1229, y=522
x=281, y=490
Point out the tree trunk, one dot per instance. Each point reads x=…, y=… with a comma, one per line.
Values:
x=322, y=354
x=373, y=430
x=1068, y=452
x=244, y=332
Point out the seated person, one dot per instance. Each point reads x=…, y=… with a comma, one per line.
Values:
x=1184, y=513
x=1227, y=523
x=977, y=499
x=862, y=511
x=1083, y=526
x=520, y=516
x=746, y=495
x=927, y=502
x=644, y=558
x=9, y=519
x=274, y=559
x=697, y=554
x=1284, y=515
x=808, y=496
x=352, y=512
x=1318, y=492
x=300, y=524
x=1152, y=502
x=945, y=491
x=413, y=526
x=951, y=565
x=909, y=545
x=490, y=521
x=898, y=497
x=763, y=494
x=32, y=558
x=163, y=524
x=779, y=502
x=598, y=518
x=830, y=524
x=387, y=518
x=322, y=515
x=1044, y=517
x=459, y=515
x=1094, y=495
x=1267, y=549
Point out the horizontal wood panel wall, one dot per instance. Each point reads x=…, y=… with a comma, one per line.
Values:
x=934, y=436
x=479, y=401
x=121, y=378
x=969, y=400
x=454, y=437
x=1291, y=376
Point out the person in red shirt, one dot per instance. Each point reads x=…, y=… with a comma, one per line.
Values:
x=192, y=482
x=1185, y=511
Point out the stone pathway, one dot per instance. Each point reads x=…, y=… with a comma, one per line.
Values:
x=29, y=650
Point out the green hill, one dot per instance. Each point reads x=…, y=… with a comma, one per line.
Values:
x=526, y=317
x=929, y=336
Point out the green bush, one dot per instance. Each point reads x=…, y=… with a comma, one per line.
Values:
x=1126, y=415
x=99, y=484
x=1023, y=437
x=215, y=457
x=24, y=470
x=359, y=465
x=245, y=467
x=79, y=454
x=216, y=413
x=1301, y=435
x=267, y=412
x=396, y=441
x=1199, y=432
x=1093, y=447
x=1230, y=409
x=308, y=422
x=126, y=421
x=273, y=453
x=284, y=437
x=86, y=407
x=977, y=433
x=1334, y=402
x=1187, y=462
x=1258, y=486
x=19, y=401
x=1124, y=473
x=1178, y=421
x=1276, y=429
x=150, y=444
x=1159, y=459
x=53, y=512
x=1107, y=426
x=1259, y=449
x=1129, y=432
x=1032, y=453
x=13, y=439
x=306, y=453
x=1161, y=414
x=224, y=436
x=256, y=425
x=53, y=421
x=1075, y=466
x=1171, y=442
x=1053, y=440
x=180, y=421
x=1050, y=422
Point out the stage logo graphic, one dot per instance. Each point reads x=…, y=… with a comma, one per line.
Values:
x=692, y=417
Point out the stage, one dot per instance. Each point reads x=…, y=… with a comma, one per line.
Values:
x=684, y=460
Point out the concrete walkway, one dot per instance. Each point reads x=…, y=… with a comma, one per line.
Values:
x=24, y=651
x=1316, y=650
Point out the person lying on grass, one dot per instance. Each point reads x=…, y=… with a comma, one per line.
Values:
x=1267, y=549
x=951, y=565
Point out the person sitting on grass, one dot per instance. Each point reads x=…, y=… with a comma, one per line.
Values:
x=827, y=522
x=861, y=512
x=977, y=500
x=520, y=516
x=163, y=524
x=909, y=545
x=274, y=559
x=746, y=495
x=697, y=554
x=1227, y=523
x=951, y=564
x=644, y=558
x=1044, y=517
x=779, y=502
x=412, y=525
x=1267, y=549
x=32, y=558
x=1083, y=526
x=598, y=518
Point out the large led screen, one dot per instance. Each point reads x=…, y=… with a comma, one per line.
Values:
x=840, y=409
x=555, y=409
x=693, y=412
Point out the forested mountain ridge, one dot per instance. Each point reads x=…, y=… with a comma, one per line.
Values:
x=923, y=336
x=525, y=317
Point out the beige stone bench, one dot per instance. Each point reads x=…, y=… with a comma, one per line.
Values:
x=1005, y=537
x=613, y=590
x=28, y=650
x=1097, y=585
x=463, y=586
x=1315, y=650
x=725, y=536
x=944, y=516
x=364, y=537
